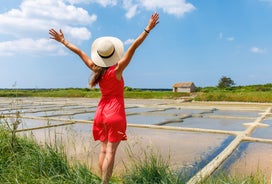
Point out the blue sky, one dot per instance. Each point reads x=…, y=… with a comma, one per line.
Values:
x=197, y=41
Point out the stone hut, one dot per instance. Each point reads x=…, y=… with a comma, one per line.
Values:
x=187, y=87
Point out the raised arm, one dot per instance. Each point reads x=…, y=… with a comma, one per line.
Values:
x=60, y=38
x=122, y=64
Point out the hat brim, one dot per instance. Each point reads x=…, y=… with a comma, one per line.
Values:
x=107, y=62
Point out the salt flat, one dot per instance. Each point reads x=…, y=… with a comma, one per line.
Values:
x=189, y=134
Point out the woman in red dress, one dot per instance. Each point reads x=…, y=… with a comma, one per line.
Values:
x=108, y=63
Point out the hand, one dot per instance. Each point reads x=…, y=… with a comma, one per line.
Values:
x=56, y=36
x=153, y=21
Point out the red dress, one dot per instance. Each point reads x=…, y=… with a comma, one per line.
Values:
x=110, y=118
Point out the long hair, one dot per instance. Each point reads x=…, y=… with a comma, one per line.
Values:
x=98, y=72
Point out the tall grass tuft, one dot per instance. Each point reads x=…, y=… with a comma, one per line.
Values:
x=223, y=178
x=27, y=162
x=150, y=168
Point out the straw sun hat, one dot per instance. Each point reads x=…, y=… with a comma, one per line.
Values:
x=107, y=51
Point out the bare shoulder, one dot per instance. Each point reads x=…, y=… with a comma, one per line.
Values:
x=119, y=71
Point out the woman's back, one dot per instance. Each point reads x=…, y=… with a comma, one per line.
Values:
x=110, y=85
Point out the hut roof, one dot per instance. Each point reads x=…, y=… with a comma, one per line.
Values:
x=183, y=85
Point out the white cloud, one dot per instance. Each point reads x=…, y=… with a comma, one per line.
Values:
x=222, y=37
x=130, y=7
x=78, y=32
x=131, y=11
x=35, y=16
x=32, y=20
x=56, y=10
x=230, y=39
x=257, y=50
x=129, y=41
x=27, y=46
x=173, y=7
x=103, y=3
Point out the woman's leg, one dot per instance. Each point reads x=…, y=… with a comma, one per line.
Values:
x=108, y=162
x=102, y=155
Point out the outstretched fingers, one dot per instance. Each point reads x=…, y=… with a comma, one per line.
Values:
x=55, y=35
x=154, y=20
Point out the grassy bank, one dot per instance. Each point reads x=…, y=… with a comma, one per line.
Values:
x=67, y=92
x=253, y=93
x=88, y=93
x=24, y=161
x=260, y=97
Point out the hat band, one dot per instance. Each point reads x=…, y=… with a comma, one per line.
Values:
x=106, y=57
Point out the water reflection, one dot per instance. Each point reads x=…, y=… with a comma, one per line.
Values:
x=209, y=123
x=250, y=158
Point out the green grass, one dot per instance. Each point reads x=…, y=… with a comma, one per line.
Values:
x=235, y=96
x=154, y=94
x=26, y=162
x=222, y=178
x=88, y=93
x=253, y=93
x=150, y=168
x=67, y=92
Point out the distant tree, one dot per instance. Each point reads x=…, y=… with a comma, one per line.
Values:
x=225, y=82
x=127, y=88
